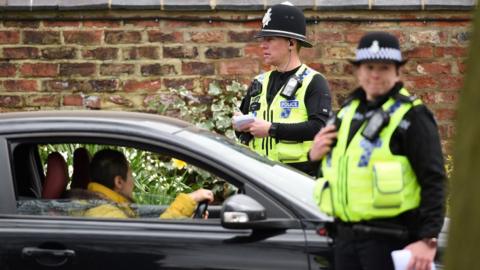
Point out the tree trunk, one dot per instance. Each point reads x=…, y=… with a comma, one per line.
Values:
x=464, y=235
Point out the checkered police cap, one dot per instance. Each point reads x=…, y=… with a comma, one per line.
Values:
x=378, y=46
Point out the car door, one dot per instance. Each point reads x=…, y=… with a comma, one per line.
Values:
x=53, y=242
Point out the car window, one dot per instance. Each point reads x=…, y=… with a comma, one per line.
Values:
x=158, y=179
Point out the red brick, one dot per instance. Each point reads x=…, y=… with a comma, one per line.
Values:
x=73, y=100
x=150, y=52
x=93, y=102
x=101, y=24
x=339, y=52
x=421, y=82
x=451, y=83
x=116, y=69
x=451, y=51
x=427, y=37
x=9, y=37
x=354, y=36
x=122, y=37
x=180, y=52
x=20, y=53
x=20, y=85
x=253, y=24
x=253, y=51
x=7, y=70
x=21, y=24
x=434, y=68
x=198, y=68
x=158, y=70
x=81, y=69
x=180, y=24
x=218, y=53
x=43, y=100
x=39, y=70
x=61, y=23
x=439, y=97
x=142, y=23
x=328, y=68
x=462, y=67
x=321, y=37
x=104, y=85
x=83, y=37
x=101, y=53
x=177, y=83
x=67, y=85
x=245, y=36
x=241, y=66
x=161, y=36
x=41, y=37
x=208, y=37
x=119, y=100
x=10, y=101
x=134, y=85
x=447, y=131
x=444, y=114
x=310, y=54
x=59, y=53
x=419, y=52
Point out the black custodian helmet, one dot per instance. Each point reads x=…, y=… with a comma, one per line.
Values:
x=284, y=20
x=378, y=46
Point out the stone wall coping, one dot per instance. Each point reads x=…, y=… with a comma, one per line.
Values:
x=234, y=5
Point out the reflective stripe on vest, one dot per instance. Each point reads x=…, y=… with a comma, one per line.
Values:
x=282, y=110
x=365, y=180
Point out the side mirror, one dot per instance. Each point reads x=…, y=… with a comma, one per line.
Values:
x=242, y=212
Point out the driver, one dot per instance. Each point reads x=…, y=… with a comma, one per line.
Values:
x=112, y=181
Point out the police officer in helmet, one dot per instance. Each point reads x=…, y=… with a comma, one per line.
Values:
x=289, y=103
x=382, y=166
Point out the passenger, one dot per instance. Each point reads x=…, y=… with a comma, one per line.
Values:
x=112, y=180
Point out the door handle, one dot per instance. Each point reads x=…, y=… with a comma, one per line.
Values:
x=35, y=252
x=48, y=257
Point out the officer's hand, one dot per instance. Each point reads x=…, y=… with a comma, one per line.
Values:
x=259, y=128
x=243, y=128
x=322, y=142
x=422, y=255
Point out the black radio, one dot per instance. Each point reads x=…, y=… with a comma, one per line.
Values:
x=291, y=87
x=377, y=121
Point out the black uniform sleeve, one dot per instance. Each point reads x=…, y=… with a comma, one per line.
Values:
x=421, y=145
x=318, y=103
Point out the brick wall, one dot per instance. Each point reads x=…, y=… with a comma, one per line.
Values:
x=115, y=62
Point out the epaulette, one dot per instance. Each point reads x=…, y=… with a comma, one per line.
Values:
x=404, y=98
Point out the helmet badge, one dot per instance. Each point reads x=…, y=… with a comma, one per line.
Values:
x=267, y=17
x=374, y=48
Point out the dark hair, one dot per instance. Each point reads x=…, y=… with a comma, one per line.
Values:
x=106, y=165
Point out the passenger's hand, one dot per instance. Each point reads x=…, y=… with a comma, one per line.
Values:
x=200, y=195
x=422, y=255
x=259, y=128
x=322, y=142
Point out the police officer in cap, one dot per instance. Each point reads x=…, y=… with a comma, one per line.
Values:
x=382, y=166
x=290, y=103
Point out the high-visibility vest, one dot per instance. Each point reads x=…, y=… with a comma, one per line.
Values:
x=283, y=110
x=365, y=180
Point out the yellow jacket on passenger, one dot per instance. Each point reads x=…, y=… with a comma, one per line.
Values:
x=182, y=207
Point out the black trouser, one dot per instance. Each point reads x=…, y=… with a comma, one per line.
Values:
x=358, y=251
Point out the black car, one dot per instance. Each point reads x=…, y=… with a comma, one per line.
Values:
x=270, y=221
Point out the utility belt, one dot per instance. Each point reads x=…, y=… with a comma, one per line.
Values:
x=360, y=230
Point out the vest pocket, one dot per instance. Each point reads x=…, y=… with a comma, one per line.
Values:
x=289, y=151
x=322, y=197
x=388, y=185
